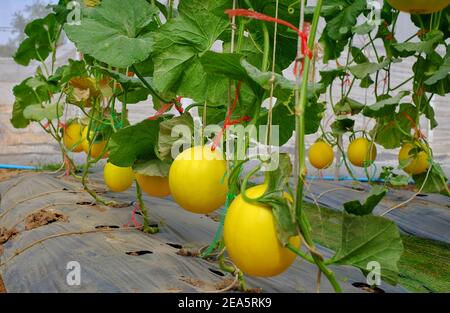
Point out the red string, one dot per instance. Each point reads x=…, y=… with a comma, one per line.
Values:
x=178, y=105
x=166, y=107
x=67, y=166
x=161, y=111
x=418, y=132
x=133, y=217
x=228, y=120
x=302, y=34
x=304, y=49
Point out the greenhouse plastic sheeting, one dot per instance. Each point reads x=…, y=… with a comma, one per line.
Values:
x=120, y=259
x=426, y=216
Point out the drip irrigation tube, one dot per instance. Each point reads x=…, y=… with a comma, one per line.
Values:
x=332, y=178
x=17, y=167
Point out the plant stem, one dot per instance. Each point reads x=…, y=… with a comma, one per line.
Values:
x=300, y=144
x=170, y=13
x=146, y=227
x=153, y=92
x=265, y=61
x=124, y=110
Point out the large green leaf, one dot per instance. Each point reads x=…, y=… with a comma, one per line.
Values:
x=327, y=77
x=368, y=239
x=33, y=90
x=283, y=87
x=362, y=70
x=434, y=72
x=348, y=106
x=166, y=140
x=38, y=45
x=66, y=72
x=113, y=32
x=340, y=26
x=38, y=112
x=137, y=142
x=341, y=16
x=392, y=129
x=180, y=43
x=355, y=207
x=231, y=65
x=385, y=106
x=436, y=181
x=153, y=167
x=342, y=125
x=275, y=197
x=442, y=72
x=427, y=45
x=282, y=117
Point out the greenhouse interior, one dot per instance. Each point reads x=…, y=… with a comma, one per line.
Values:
x=244, y=147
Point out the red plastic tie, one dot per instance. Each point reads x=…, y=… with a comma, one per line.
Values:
x=418, y=132
x=133, y=217
x=166, y=107
x=228, y=120
x=259, y=16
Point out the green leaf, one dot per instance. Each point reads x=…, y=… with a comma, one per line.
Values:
x=367, y=239
x=385, y=106
x=327, y=77
x=363, y=29
x=392, y=129
x=166, y=140
x=364, y=69
x=282, y=117
x=38, y=45
x=33, y=90
x=65, y=73
x=342, y=126
x=201, y=86
x=332, y=49
x=153, y=167
x=37, y=112
x=358, y=56
x=225, y=64
x=424, y=105
x=399, y=180
x=275, y=197
x=133, y=143
x=340, y=26
x=348, y=106
x=112, y=32
x=283, y=87
x=355, y=207
x=434, y=71
x=442, y=72
x=436, y=181
x=426, y=46
x=180, y=43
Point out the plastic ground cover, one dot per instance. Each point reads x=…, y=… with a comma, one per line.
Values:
x=120, y=259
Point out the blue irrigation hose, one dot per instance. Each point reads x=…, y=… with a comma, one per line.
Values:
x=332, y=178
x=17, y=167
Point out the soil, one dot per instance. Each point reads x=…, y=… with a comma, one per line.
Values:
x=225, y=283
x=193, y=281
x=215, y=216
x=43, y=217
x=2, y=285
x=6, y=234
x=188, y=252
x=7, y=174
